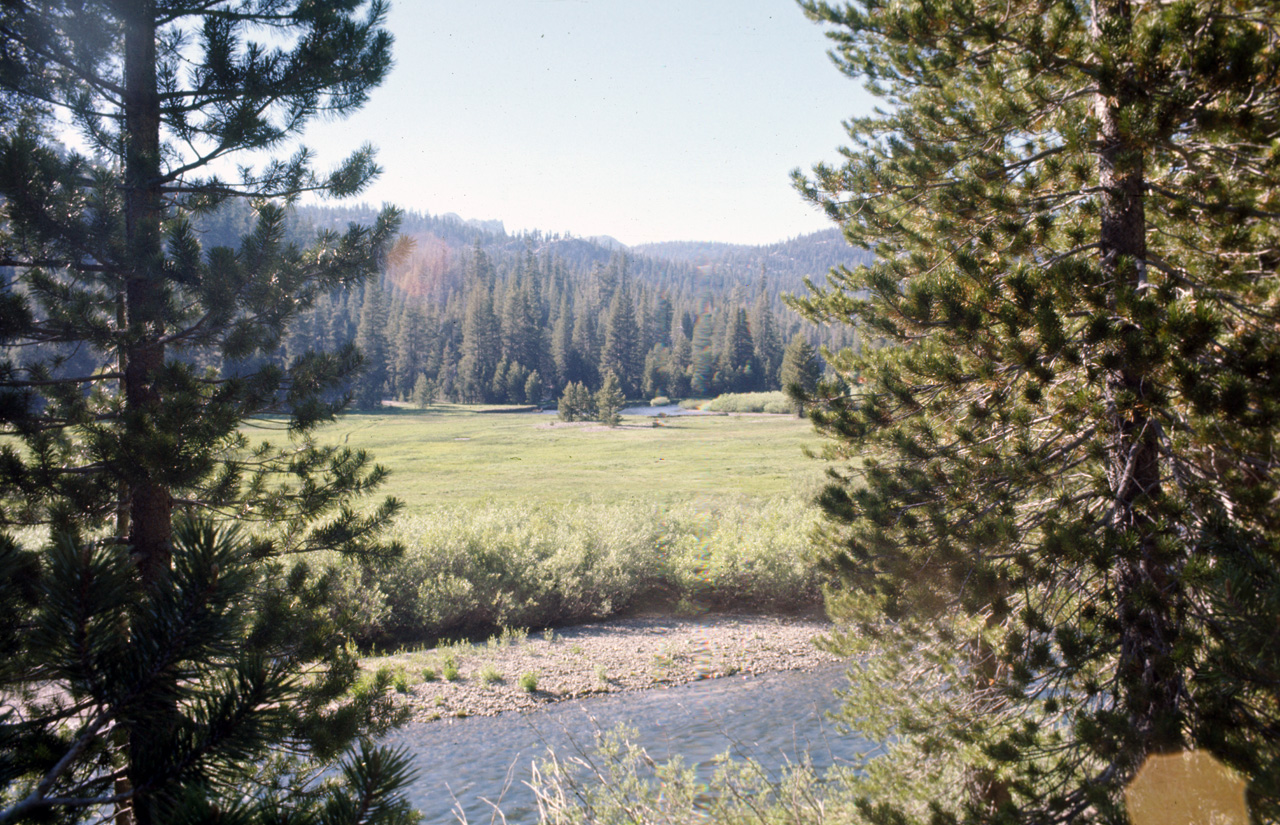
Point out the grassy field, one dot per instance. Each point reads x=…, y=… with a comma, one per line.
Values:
x=517, y=519
x=451, y=455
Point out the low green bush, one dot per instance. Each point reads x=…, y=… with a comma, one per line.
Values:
x=660, y=401
x=488, y=675
x=469, y=571
x=450, y=669
x=751, y=402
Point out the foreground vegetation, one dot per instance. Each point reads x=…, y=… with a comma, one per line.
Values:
x=1067, y=548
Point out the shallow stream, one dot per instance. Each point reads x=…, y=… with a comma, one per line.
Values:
x=776, y=719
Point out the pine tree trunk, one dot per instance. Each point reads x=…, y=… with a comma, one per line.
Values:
x=149, y=503
x=1151, y=689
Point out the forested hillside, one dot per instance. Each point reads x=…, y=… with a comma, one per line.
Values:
x=466, y=312
x=788, y=262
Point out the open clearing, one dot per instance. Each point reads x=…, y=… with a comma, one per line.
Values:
x=454, y=455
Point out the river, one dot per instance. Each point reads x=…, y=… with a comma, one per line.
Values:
x=776, y=718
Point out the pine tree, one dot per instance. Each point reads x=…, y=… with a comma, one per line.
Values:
x=621, y=354
x=152, y=656
x=481, y=340
x=768, y=345
x=562, y=354
x=681, y=363
x=609, y=401
x=372, y=342
x=800, y=371
x=737, y=355
x=424, y=391
x=703, y=357
x=1060, y=532
x=411, y=349
x=576, y=404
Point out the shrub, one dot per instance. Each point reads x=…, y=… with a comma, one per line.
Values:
x=529, y=681
x=476, y=570
x=751, y=402
x=450, y=669
x=745, y=554
x=660, y=401
x=489, y=674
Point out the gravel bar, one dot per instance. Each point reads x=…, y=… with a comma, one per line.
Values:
x=639, y=653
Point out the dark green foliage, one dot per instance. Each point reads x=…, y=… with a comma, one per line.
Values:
x=1060, y=537
x=577, y=403
x=479, y=313
x=609, y=401
x=153, y=660
x=622, y=355
x=800, y=371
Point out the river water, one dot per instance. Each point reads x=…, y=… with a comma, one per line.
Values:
x=776, y=719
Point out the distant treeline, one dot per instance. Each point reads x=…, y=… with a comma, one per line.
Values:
x=465, y=312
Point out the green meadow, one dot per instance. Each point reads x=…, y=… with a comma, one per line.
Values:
x=454, y=454
x=516, y=519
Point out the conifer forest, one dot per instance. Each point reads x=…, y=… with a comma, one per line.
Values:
x=469, y=314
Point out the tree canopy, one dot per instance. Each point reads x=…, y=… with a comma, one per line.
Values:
x=152, y=649
x=1056, y=519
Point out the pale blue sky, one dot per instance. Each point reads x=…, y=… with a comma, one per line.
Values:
x=647, y=120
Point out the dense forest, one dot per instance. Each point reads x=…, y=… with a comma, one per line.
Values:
x=466, y=312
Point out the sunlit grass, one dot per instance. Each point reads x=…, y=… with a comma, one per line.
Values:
x=455, y=455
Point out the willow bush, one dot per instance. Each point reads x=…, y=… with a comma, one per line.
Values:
x=470, y=570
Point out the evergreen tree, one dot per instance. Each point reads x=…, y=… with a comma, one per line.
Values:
x=371, y=341
x=424, y=391
x=609, y=401
x=703, y=358
x=622, y=354
x=657, y=372
x=585, y=348
x=576, y=404
x=481, y=341
x=800, y=371
x=411, y=350
x=737, y=357
x=1061, y=532
x=768, y=343
x=681, y=364
x=562, y=345
x=152, y=659
x=533, y=388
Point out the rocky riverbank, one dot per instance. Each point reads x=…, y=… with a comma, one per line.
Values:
x=524, y=672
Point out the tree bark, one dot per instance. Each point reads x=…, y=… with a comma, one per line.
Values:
x=149, y=504
x=1147, y=586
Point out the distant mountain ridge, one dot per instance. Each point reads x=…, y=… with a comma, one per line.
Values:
x=785, y=264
